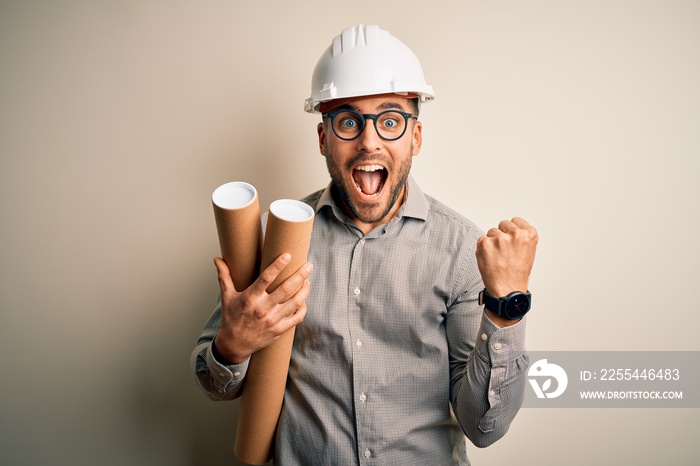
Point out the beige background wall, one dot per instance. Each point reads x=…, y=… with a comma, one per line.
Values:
x=118, y=119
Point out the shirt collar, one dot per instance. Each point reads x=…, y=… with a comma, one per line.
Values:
x=415, y=206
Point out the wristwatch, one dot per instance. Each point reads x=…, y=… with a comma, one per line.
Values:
x=513, y=306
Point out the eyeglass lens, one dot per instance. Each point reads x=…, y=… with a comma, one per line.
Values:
x=390, y=124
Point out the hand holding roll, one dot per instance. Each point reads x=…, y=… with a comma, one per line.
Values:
x=253, y=318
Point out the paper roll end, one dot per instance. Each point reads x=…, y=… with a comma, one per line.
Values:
x=234, y=195
x=291, y=210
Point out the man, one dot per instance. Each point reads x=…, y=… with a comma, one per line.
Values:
x=391, y=336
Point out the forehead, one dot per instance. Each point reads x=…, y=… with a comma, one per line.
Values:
x=367, y=104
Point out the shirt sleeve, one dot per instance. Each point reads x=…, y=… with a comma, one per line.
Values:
x=220, y=381
x=488, y=367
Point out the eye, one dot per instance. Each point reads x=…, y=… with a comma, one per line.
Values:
x=391, y=121
x=348, y=123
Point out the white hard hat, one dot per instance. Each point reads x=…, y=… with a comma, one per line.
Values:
x=366, y=60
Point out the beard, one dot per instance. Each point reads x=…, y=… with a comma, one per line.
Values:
x=367, y=212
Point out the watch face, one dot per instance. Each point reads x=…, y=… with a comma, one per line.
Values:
x=517, y=306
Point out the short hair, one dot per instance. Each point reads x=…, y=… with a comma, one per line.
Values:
x=415, y=105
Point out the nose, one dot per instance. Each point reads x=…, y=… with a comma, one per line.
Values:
x=369, y=140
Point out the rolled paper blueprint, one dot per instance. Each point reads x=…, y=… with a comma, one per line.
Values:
x=289, y=227
x=237, y=214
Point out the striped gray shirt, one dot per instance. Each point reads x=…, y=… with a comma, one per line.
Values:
x=394, y=354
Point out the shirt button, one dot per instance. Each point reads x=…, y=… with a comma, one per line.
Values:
x=368, y=453
x=359, y=343
x=356, y=291
x=492, y=393
x=362, y=241
x=484, y=337
x=221, y=373
x=363, y=397
x=236, y=374
x=497, y=346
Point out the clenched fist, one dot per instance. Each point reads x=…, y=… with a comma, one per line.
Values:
x=505, y=256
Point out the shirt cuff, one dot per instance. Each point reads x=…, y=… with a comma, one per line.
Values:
x=500, y=345
x=225, y=374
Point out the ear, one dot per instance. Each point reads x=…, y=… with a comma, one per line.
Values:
x=321, y=128
x=417, y=136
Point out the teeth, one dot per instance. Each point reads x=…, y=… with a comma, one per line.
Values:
x=370, y=168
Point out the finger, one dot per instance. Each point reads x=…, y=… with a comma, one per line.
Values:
x=296, y=317
x=297, y=304
x=291, y=285
x=531, y=232
x=290, y=321
x=224, y=276
x=270, y=273
x=507, y=226
x=487, y=241
x=521, y=223
x=493, y=232
x=291, y=313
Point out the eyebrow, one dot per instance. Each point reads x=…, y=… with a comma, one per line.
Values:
x=390, y=105
x=346, y=107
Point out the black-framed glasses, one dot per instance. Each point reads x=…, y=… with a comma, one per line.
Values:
x=349, y=124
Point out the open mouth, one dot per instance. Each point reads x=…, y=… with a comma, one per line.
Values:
x=369, y=179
